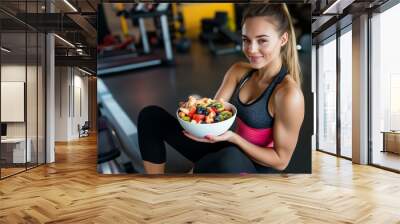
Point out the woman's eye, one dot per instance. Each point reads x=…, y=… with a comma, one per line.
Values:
x=245, y=40
x=262, y=41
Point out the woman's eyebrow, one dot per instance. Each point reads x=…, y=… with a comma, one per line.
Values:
x=263, y=35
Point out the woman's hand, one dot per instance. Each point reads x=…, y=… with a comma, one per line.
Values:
x=227, y=136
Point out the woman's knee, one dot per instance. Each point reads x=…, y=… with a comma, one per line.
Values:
x=151, y=112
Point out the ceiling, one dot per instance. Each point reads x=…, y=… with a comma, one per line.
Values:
x=76, y=24
x=331, y=15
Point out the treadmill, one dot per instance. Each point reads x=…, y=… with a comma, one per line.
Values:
x=125, y=62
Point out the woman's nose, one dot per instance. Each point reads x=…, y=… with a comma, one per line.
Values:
x=252, y=47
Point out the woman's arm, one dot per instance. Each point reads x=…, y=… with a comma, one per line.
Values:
x=288, y=115
x=231, y=78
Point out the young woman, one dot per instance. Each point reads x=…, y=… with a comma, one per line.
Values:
x=267, y=94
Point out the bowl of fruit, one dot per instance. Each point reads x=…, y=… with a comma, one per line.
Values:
x=201, y=117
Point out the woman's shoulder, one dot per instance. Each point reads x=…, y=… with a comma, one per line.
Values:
x=288, y=90
x=238, y=70
x=289, y=101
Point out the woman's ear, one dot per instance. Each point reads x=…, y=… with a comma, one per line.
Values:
x=284, y=38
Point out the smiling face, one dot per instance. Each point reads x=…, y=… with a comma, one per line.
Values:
x=261, y=41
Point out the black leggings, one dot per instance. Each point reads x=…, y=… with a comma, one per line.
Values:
x=155, y=125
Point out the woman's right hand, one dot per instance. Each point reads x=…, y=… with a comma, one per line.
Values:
x=187, y=134
x=227, y=136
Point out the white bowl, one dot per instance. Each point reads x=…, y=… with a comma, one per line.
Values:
x=201, y=130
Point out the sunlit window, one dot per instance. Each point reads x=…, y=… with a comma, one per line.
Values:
x=327, y=96
x=385, y=86
x=346, y=94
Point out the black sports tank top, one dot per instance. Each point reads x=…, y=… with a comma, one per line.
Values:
x=256, y=114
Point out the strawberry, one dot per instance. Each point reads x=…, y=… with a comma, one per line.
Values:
x=198, y=117
x=192, y=111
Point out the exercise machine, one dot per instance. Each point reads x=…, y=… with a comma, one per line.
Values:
x=147, y=57
x=182, y=44
x=109, y=44
x=113, y=156
x=216, y=33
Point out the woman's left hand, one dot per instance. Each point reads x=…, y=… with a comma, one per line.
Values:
x=227, y=136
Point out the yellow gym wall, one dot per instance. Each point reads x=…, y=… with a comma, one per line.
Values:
x=193, y=13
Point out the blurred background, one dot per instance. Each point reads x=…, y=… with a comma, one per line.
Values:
x=158, y=54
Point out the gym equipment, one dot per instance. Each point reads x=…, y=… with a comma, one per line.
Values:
x=113, y=156
x=108, y=151
x=183, y=43
x=124, y=24
x=121, y=62
x=107, y=42
x=219, y=38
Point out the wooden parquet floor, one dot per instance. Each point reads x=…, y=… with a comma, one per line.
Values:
x=71, y=191
x=10, y=171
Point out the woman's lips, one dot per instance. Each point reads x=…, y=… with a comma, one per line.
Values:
x=255, y=59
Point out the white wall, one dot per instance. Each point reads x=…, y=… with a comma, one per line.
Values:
x=61, y=103
x=33, y=126
x=12, y=73
x=71, y=94
x=81, y=81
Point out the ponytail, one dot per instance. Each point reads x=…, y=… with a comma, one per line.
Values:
x=289, y=51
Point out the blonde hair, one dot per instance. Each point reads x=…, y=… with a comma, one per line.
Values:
x=280, y=13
